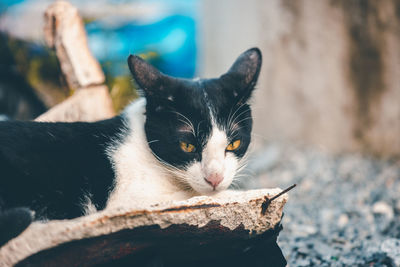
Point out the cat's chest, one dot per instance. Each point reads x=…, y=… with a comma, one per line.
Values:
x=140, y=179
x=141, y=182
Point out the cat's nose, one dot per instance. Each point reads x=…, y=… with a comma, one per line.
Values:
x=214, y=179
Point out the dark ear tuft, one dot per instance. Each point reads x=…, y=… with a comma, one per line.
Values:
x=248, y=65
x=146, y=76
x=244, y=73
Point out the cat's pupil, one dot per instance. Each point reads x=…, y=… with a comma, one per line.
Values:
x=187, y=147
x=233, y=145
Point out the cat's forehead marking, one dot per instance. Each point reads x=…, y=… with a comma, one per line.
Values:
x=213, y=111
x=214, y=151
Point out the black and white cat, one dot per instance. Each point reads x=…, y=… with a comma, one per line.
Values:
x=183, y=138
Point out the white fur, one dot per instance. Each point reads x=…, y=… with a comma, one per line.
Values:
x=88, y=206
x=214, y=160
x=141, y=179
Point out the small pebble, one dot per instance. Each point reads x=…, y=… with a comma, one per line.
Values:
x=391, y=247
x=382, y=207
x=343, y=220
x=342, y=213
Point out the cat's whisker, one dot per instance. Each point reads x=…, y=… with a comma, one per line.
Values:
x=231, y=117
x=186, y=131
x=247, y=118
x=239, y=128
x=241, y=168
x=188, y=122
x=168, y=166
x=234, y=186
x=246, y=171
x=244, y=111
x=241, y=175
x=231, y=123
x=232, y=134
x=189, y=126
x=198, y=127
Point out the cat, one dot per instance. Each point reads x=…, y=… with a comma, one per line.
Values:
x=182, y=138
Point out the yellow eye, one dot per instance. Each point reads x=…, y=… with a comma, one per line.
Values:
x=187, y=147
x=233, y=145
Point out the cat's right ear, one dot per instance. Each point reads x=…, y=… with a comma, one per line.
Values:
x=242, y=76
x=147, y=77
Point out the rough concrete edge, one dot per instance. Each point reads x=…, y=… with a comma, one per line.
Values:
x=231, y=210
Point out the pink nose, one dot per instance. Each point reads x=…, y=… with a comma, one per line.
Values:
x=214, y=179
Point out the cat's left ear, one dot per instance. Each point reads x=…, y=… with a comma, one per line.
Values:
x=149, y=79
x=242, y=76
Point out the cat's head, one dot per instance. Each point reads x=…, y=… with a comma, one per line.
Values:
x=199, y=129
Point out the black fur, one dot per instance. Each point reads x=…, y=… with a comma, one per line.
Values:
x=13, y=222
x=172, y=102
x=50, y=168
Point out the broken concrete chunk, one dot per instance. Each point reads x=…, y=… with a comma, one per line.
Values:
x=234, y=217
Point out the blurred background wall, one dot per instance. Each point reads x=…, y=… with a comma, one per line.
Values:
x=331, y=69
x=330, y=76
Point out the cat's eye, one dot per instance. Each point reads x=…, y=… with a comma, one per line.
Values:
x=187, y=147
x=233, y=145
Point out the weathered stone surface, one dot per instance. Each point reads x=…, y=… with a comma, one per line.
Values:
x=331, y=69
x=234, y=216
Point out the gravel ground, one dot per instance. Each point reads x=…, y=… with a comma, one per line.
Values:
x=345, y=210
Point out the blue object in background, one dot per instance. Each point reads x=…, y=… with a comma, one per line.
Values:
x=165, y=35
x=4, y=4
x=169, y=44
